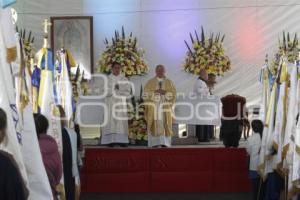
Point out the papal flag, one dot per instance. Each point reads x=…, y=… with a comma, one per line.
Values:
x=290, y=129
x=291, y=111
x=280, y=120
x=265, y=158
x=7, y=93
x=6, y=3
x=46, y=100
x=64, y=86
x=38, y=181
x=295, y=174
x=265, y=80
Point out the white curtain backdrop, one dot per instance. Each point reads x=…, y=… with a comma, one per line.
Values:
x=252, y=29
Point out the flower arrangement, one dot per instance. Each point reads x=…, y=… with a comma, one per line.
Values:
x=28, y=45
x=79, y=84
x=26, y=53
x=207, y=53
x=125, y=52
x=76, y=74
x=288, y=48
x=137, y=123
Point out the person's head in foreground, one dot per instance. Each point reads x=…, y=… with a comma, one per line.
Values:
x=203, y=74
x=160, y=71
x=41, y=124
x=257, y=126
x=50, y=153
x=116, y=69
x=3, y=125
x=12, y=185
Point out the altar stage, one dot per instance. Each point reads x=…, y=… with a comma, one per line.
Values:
x=175, y=169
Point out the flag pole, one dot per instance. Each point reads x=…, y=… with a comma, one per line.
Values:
x=285, y=187
x=259, y=189
x=46, y=25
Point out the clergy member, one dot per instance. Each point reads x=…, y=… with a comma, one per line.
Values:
x=159, y=96
x=203, y=132
x=115, y=132
x=200, y=87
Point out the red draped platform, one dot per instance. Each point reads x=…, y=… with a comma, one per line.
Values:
x=165, y=170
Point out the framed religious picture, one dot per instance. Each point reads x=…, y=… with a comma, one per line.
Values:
x=75, y=33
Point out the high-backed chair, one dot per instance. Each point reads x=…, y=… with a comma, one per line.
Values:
x=232, y=119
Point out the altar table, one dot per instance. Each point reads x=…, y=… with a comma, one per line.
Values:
x=176, y=169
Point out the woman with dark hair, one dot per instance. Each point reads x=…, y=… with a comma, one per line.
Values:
x=12, y=186
x=253, y=149
x=50, y=154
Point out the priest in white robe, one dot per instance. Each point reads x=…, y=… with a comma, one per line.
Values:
x=115, y=131
x=159, y=96
x=201, y=89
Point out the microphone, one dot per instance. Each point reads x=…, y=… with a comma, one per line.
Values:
x=160, y=84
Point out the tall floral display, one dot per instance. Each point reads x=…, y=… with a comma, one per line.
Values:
x=206, y=53
x=288, y=48
x=27, y=52
x=137, y=122
x=28, y=43
x=123, y=50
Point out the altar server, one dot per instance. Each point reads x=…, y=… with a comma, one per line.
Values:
x=203, y=132
x=159, y=96
x=200, y=87
x=253, y=148
x=115, y=132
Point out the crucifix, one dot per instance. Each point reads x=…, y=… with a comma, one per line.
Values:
x=46, y=25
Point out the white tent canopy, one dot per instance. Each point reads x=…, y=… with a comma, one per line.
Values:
x=252, y=29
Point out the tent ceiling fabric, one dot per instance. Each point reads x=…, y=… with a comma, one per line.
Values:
x=252, y=28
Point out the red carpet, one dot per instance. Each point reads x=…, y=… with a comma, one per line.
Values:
x=165, y=170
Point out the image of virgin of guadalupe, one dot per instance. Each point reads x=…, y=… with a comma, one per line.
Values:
x=73, y=35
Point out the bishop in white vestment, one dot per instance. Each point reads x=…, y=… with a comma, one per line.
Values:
x=115, y=131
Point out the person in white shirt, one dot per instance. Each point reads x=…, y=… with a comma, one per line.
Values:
x=203, y=132
x=253, y=148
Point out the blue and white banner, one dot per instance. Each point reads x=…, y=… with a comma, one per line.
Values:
x=6, y=3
